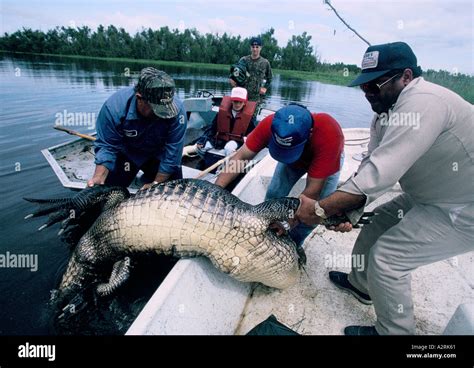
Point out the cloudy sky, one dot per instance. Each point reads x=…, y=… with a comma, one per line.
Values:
x=440, y=31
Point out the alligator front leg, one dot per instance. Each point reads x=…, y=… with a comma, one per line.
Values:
x=120, y=274
x=79, y=284
x=85, y=268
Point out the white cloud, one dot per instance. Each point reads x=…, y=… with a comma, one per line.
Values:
x=440, y=32
x=231, y=24
x=131, y=23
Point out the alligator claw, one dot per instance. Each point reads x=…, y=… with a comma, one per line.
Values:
x=340, y=219
x=77, y=304
x=280, y=227
x=81, y=209
x=365, y=219
x=73, y=308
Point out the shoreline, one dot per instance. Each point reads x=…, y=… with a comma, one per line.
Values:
x=341, y=78
x=324, y=77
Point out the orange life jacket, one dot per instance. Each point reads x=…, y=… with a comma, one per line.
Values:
x=241, y=121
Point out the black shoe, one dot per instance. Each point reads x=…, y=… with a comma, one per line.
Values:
x=341, y=281
x=360, y=331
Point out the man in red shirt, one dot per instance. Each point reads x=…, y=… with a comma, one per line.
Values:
x=301, y=142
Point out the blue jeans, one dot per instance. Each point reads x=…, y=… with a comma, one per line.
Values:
x=284, y=178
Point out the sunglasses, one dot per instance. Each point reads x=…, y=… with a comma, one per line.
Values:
x=376, y=88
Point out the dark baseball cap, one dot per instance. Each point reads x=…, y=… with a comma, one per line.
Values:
x=381, y=59
x=158, y=89
x=291, y=128
x=256, y=40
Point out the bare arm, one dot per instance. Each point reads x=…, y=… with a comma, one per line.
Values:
x=231, y=171
x=100, y=174
x=159, y=178
x=268, y=76
x=313, y=187
x=338, y=202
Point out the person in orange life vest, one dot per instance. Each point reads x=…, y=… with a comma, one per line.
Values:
x=231, y=125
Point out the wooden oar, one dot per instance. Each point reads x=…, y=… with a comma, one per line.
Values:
x=72, y=132
x=213, y=166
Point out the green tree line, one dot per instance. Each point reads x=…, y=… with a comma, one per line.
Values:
x=166, y=44
x=191, y=46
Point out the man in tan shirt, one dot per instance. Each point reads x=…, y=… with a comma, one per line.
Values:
x=422, y=137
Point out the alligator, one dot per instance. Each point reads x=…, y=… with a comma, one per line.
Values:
x=183, y=218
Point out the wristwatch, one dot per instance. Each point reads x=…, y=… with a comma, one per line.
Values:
x=319, y=211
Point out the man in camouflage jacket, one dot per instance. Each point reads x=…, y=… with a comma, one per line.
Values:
x=259, y=72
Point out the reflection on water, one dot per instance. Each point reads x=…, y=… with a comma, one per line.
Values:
x=347, y=105
x=32, y=91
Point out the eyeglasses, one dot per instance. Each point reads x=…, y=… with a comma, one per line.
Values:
x=376, y=87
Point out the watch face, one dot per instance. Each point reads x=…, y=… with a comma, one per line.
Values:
x=319, y=211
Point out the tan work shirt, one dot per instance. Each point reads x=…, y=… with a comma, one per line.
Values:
x=426, y=142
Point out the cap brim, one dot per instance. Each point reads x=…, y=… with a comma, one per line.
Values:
x=367, y=77
x=285, y=155
x=165, y=111
x=238, y=99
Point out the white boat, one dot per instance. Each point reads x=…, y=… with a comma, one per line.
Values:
x=73, y=161
x=197, y=299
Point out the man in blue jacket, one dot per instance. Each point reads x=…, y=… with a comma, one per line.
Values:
x=140, y=128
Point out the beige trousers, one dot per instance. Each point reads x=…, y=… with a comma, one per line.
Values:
x=404, y=236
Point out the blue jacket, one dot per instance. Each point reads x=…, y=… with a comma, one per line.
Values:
x=120, y=129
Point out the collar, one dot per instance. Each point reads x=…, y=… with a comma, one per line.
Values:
x=132, y=113
x=410, y=86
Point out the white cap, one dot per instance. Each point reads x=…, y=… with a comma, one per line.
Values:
x=238, y=94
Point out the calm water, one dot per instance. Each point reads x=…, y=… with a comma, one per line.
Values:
x=32, y=92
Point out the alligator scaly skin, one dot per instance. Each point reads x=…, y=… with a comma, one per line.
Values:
x=188, y=218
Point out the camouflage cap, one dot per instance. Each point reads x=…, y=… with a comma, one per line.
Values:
x=158, y=88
